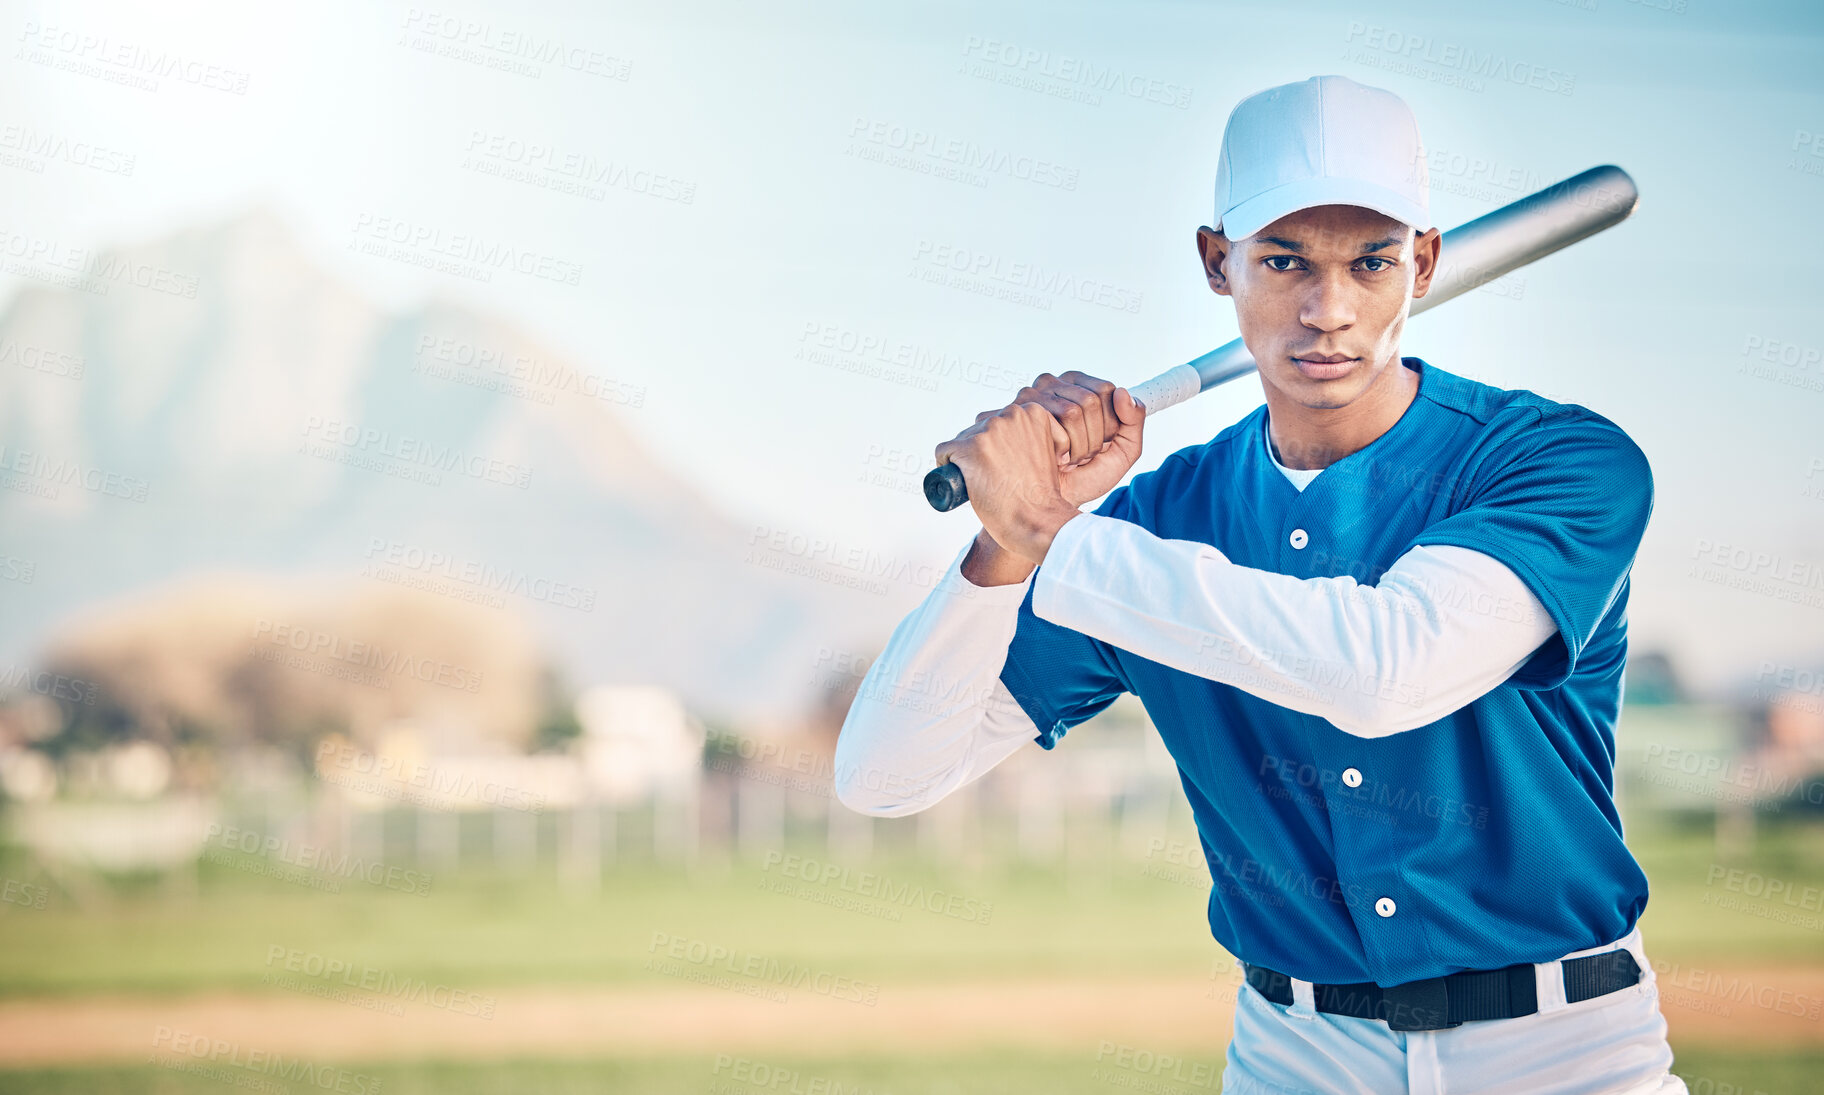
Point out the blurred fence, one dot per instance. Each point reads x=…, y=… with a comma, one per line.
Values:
x=1100, y=799
x=1110, y=796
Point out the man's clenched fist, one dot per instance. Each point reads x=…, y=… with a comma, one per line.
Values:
x=1063, y=441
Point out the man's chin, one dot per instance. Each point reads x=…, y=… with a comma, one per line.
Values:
x=1322, y=394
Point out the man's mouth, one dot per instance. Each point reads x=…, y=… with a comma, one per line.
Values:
x=1325, y=366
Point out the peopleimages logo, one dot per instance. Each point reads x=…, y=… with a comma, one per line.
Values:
x=318, y=859
x=507, y=48
x=30, y=149
x=824, y=559
x=1074, y=78
x=726, y=966
x=369, y=655
x=746, y=1075
x=345, y=441
x=909, y=361
x=346, y=765
x=339, y=973
x=57, y=686
x=1452, y=62
x=964, y=154
x=81, y=268
x=569, y=170
x=1328, y=786
x=463, y=253
x=120, y=62
x=879, y=887
x=243, y=1066
x=47, y=475
x=1041, y=281
x=482, y=576
x=39, y=359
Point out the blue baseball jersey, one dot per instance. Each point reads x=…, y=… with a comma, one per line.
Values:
x=1486, y=838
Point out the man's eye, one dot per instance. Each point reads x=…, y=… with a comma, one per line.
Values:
x=1270, y=260
x=1385, y=263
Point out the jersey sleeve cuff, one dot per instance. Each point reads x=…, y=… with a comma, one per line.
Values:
x=955, y=583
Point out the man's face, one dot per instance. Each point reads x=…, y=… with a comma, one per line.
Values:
x=1332, y=281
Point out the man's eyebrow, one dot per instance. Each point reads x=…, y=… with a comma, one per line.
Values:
x=1298, y=248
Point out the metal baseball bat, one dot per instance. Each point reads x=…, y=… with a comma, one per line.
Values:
x=1473, y=254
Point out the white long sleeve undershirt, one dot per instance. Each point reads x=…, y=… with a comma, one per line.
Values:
x=931, y=714
x=1444, y=626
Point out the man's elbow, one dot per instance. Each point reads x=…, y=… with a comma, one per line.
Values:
x=866, y=787
x=865, y=800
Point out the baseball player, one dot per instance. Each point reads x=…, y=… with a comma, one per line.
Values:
x=1380, y=623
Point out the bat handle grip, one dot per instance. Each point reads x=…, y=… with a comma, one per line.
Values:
x=944, y=485
x=944, y=488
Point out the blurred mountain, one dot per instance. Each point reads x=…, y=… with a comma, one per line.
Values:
x=239, y=409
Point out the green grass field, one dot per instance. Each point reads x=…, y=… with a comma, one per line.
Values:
x=1706, y=1072
x=482, y=931
x=485, y=930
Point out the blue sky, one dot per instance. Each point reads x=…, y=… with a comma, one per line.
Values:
x=802, y=236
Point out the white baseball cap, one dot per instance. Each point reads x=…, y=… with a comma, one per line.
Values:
x=1323, y=141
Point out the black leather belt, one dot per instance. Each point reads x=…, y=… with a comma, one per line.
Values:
x=1439, y=1003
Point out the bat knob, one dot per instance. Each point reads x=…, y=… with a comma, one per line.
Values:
x=944, y=487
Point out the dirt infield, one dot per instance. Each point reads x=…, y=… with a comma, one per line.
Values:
x=1761, y=1006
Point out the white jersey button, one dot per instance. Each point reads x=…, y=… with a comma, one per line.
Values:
x=1385, y=906
x=1299, y=539
x=1352, y=777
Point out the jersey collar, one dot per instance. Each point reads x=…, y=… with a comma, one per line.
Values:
x=1411, y=420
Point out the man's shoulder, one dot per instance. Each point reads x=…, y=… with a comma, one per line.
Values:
x=1512, y=414
x=1520, y=432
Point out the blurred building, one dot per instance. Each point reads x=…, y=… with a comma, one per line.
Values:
x=638, y=743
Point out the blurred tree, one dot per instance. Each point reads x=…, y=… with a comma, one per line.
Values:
x=1651, y=678
x=558, y=725
x=224, y=664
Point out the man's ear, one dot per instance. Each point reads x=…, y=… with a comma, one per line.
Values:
x=1213, y=253
x=1426, y=247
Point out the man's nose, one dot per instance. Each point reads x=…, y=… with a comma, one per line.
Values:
x=1330, y=304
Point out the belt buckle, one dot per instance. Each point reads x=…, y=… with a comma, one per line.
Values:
x=1418, y=1005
